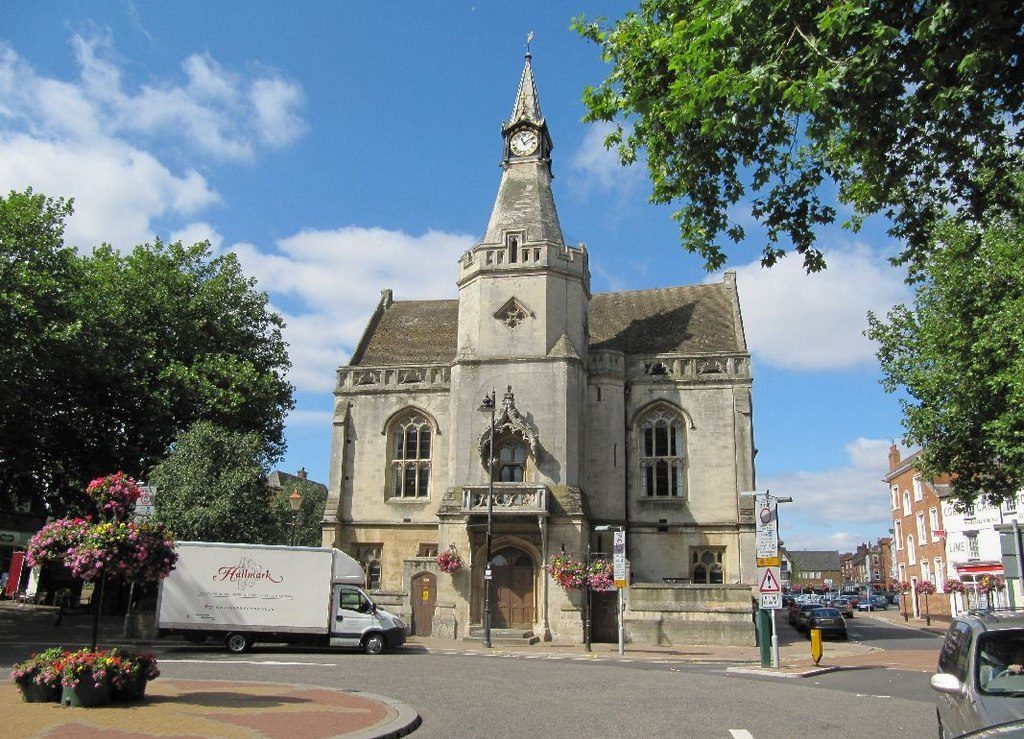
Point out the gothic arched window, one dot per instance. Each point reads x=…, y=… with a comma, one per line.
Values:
x=707, y=566
x=511, y=461
x=410, y=457
x=662, y=454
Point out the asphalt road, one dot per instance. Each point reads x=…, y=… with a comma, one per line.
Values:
x=473, y=696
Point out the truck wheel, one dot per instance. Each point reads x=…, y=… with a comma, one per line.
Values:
x=238, y=643
x=373, y=644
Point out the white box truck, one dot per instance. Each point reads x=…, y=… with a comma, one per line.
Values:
x=244, y=593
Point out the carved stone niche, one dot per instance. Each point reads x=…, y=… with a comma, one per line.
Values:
x=508, y=422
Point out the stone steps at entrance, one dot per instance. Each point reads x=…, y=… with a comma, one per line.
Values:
x=504, y=637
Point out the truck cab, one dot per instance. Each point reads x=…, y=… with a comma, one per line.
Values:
x=357, y=622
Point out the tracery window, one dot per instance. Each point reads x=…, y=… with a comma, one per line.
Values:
x=511, y=461
x=369, y=556
x=410, y=457
x=707, y=566
x=662, y=455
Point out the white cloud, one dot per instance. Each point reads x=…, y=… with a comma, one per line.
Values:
x=334, y=279
x=193, y=233
x=118, y=189
x=100, y=142
x=595, y=166
x=794, y=320
x=840, y=507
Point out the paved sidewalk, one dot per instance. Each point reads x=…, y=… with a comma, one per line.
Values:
x=938, y=625
x=196, y=709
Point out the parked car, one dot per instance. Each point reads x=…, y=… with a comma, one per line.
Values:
x=801, y=616
x=874, y=603
x=843, y=605
x=980, y=675
x=829, y=620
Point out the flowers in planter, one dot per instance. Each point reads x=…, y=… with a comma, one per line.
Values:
x=904, y=587
x=954, y=586
x=115, y=496
x=449, y=560
x=42, y=669
x=96, y=667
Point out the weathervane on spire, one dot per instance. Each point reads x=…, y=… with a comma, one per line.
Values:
x=529, y=38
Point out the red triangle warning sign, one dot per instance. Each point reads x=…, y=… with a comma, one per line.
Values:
x=769, y=583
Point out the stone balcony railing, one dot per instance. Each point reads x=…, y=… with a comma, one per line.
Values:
x=362, y=379
x=509, y=499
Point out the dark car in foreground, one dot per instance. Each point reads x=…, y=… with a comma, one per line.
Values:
x=829, y=620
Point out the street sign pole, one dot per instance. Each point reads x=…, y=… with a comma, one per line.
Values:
x=766, y=551
x=619, y=574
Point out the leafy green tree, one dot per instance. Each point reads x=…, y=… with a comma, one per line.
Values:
x=310, y=515
x=212, y=487
x=910, y=109
x=113, y=355
x=958, y=354
x=39, y=333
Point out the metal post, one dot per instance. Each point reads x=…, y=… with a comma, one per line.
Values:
x=587, y=623
x=1020, y=560
x=621, y=607
x=97, y=611
x=490, y=516
x=775, y=643
x=295, y=516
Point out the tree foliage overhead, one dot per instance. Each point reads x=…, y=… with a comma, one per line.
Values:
x=110, y=356
x=958, y=353
x=910, y=109
x=212, y=487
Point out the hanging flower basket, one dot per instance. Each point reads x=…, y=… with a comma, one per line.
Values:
x=953, y=586
x=114, y=495
x=600, y=575
x=988, y=583
x=567, y=571
x=449, y=560
x=925, y=588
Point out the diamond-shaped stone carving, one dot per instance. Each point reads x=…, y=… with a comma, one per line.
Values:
x=513, y=313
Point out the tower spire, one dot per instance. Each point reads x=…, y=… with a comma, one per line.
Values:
x=527, y=105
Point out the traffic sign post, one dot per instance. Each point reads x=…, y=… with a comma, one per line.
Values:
x=766, y=553
x=620, y=576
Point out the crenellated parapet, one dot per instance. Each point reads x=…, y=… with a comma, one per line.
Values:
x=519, y=255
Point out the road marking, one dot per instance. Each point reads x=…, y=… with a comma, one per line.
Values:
x=246, y=662
x=741, y=734
x=869, y=695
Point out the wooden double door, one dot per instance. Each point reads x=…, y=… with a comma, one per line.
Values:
x=513, y=585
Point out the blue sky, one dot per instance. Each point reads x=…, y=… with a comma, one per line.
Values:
x=341, y=148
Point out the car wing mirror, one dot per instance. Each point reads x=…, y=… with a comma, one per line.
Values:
x=946, y=683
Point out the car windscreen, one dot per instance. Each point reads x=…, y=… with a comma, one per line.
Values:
x=999, y=667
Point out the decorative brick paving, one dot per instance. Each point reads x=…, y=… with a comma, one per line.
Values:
x=196, y=709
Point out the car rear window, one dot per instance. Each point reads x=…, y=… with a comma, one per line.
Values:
x=826, y=613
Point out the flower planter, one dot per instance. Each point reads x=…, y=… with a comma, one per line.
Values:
x=86, y=695
x=33, y=692
x=132, y=690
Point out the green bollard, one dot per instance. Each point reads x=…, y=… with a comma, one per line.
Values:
x=764, y=640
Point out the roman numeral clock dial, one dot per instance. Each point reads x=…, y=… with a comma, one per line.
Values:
x=524, y=143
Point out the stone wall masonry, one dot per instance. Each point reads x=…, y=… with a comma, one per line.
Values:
x=670, y=615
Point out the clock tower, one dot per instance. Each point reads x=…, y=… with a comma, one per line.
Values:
x=525, y=132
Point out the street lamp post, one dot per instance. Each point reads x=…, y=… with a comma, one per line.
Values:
x=488, y=406
x=295, y=502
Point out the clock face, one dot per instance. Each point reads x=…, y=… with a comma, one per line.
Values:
x=524, y=143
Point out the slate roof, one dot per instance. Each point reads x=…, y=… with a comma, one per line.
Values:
x=810, y=559
x=280, y=481
x=692, y=319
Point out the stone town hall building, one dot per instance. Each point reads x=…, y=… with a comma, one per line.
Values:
x=624, y=408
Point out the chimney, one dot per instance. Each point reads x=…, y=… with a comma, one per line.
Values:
x=894, y=457
x=302, y=473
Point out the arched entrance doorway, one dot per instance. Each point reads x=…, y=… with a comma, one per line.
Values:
x=513, y=589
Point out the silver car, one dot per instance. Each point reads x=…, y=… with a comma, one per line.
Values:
x=981, y=672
